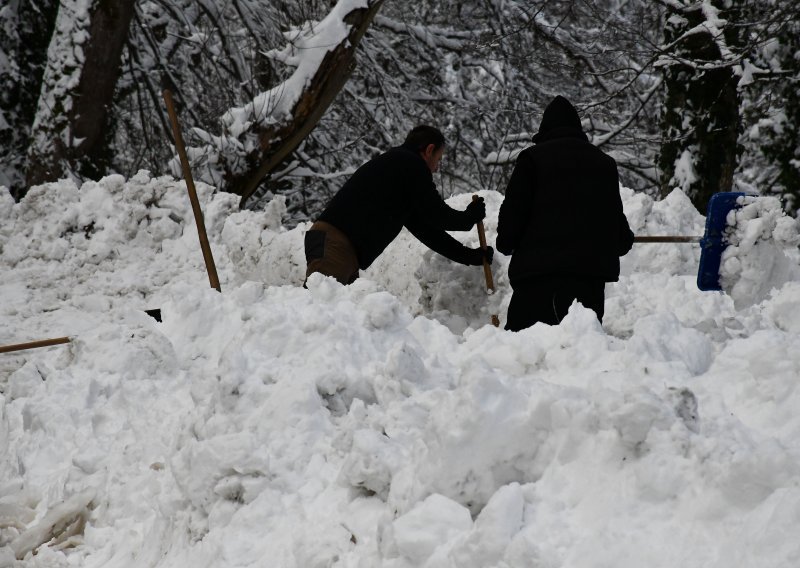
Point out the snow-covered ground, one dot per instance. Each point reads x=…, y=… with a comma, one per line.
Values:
x=385, y=423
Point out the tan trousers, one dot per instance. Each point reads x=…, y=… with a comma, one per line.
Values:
x=329, y=252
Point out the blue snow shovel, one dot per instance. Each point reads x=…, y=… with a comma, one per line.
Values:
x=712, y=243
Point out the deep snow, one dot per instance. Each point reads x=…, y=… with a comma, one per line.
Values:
x=386, y=423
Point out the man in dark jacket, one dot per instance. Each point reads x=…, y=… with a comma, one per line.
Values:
x=392, y=191
x=562, y=222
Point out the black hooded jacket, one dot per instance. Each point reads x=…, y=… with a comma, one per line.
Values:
x=389, y=192
x=562, y=213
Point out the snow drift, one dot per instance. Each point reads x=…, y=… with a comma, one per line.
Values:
x=385, y=423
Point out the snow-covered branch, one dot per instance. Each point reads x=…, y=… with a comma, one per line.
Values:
x=256, y=137
x=604, y=139
x=433, y=36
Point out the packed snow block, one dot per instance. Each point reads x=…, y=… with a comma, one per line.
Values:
x=64, y=521
x=761, y=252
x=714, y=241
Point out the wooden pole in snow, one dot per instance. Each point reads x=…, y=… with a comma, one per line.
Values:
x=187, y=174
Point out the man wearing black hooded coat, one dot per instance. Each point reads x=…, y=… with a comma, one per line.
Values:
x=562, y=222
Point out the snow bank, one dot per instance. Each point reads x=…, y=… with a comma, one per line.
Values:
x=755, y=260
x=385, y=423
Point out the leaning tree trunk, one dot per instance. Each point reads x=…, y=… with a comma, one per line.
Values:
x=700, y=120
x=258, y=137
x=71, y=126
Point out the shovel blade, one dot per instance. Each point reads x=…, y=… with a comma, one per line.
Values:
x=714, y=241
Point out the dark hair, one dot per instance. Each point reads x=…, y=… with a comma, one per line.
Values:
x=423, y=135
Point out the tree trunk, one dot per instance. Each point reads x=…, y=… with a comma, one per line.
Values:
x=25, y=27
x=700, y=120
x=69, y=133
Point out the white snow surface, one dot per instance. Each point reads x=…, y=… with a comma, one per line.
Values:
x=754, y=260
x=386, y=423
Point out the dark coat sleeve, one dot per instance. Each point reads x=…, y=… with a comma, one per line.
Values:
x=625, y=236
x=436, y=239
x=432, y=210
x=431, y=217
x=516, y=208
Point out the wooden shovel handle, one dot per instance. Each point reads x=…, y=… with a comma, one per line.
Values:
x=487, y=270
x=34, y=344
x=665, y=239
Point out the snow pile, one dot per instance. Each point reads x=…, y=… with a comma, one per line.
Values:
x=755, y=260
x=381, y=424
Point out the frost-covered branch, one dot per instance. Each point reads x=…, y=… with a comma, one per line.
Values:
x=433, y=36
x=604, y=139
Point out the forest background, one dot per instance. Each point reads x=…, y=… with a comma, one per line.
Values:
x=290, y=96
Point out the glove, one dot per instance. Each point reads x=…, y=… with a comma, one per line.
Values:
x=476, y=210
x=479, y=254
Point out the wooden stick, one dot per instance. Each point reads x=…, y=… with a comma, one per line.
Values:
x=198, y=213
x=487, y=270
x=666, y=239
x=34, y=344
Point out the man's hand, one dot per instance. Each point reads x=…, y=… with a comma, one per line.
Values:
x=479, y=254
x=476, y=210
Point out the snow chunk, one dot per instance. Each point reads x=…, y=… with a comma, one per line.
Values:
x=755, y=260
